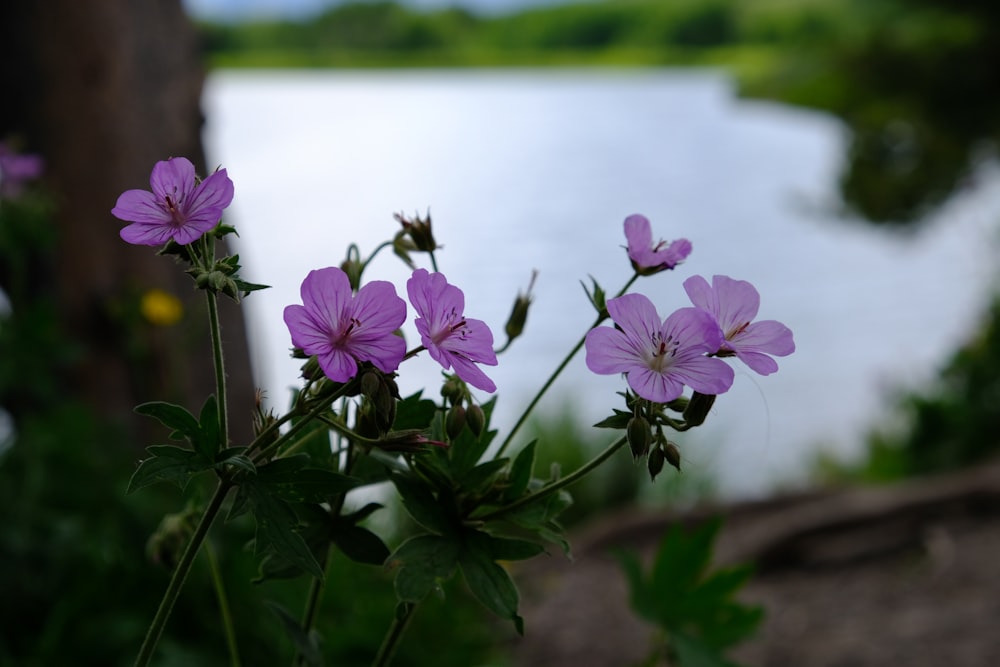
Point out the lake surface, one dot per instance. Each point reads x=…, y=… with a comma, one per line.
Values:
x=527, y=170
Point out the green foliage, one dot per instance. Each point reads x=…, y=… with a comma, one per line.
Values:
x=693, y=605
x=645, y=32
x=950, y=425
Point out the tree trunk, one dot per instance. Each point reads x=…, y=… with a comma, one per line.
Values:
x=103, y=89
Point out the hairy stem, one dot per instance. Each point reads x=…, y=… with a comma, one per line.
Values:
x=180, y=574
x=546, y=491
x=552, y=378
x=220, y=369
x=404, y=614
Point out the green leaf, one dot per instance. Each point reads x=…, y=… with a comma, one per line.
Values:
x=306, y=644
x=171, y=416
x=167, y=464
x=421, y=504
x=245, y=287
x=207, y=439
x=507, y=548
x=359, y=544
x=306, y=485
x=481, y=478
x=277, y=526
x=414, y=412
x=520, y=472
x=423, y=561
x=618, y=420
x=693, y=653
x=235, y=457
x=467, y=448
x=488, y=581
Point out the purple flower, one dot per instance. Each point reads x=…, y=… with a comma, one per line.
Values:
x=341, y=328
x=659, y=358
x=178, y=208
x=647, y=258
x=734, y=304
x=16, y=170
x=453, y=340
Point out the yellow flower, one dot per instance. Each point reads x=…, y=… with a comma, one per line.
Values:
x=161, y=308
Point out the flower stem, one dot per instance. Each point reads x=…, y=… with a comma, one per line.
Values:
x=180, y=574
x=404, y=614
x=546, y=491
x=552, y=378
x=220, y=370
x=227, y=617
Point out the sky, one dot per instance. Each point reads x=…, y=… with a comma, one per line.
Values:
x=239, y=10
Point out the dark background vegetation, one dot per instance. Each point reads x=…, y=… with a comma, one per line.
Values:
x=105, y=88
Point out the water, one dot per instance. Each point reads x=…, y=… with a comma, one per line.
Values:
x=538, y=169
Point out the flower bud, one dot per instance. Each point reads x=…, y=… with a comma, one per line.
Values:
x=697, y=409
x=655, y=463
x=419, y=231
x=640, y=436
x=673, y=455
x=475, y=419
x=519, y=313
x=455, y=421
x=166, y=545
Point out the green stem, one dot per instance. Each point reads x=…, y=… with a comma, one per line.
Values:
x=220, y=593
x=180, y=574
x=302, y=423
x=220, y=370
x=552, y=378
x=546, y=491
x=395, y=634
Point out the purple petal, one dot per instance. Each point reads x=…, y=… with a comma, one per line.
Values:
x=204, y=206
x=737, y=302
x=637, y=317
x=694, y=328
x=386, y=352
x=338, y=365
x=378, y=309
x=326, y=294
x=609, y=351
x=307, y=334
x=706, y=375
x=758, y=362
x=476, y=343
x=653, y=386
x=639, y=236
x=435, y=299
x=140, y=206
x=472, y=374
x=142, y=233
x=766, y=336
x=174, y=177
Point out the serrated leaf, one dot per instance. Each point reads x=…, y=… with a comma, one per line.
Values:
x=172, y=416
x=481, y=478
x=489, y=582
x=277, y=526
x=508, y=548
x=235, y=457
x=359, y=544
x=308, y=485
x=423, y=562
x=167, y=464
x=422, y=506
x=520, y=472
x=207, y=439
x=414, y=412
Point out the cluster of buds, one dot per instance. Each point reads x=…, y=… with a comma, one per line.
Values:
x=415, y=236
x=462, y=411
x=377, y=413
x=644, y=428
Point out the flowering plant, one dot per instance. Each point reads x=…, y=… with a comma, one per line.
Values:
x=475, y=505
